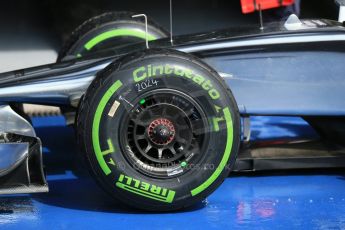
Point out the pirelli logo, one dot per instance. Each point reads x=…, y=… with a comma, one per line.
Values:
x=145, y=189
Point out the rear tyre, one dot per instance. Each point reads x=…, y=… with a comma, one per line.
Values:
x=113, y=29
x=159, y=129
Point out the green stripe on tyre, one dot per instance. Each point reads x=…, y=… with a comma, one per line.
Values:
x=117, y=33
x=226, y=155
x=95, y=126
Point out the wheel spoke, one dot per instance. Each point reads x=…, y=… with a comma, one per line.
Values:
x=176, y=116
x=151, y=113
x=189, y=111
x=149, y=146
x=198, y=127
x=141, y=137
x=198, y=132
x=184, y=128
x=139, y=122
x=160, y=153
x=173, y=151
x=195, y=148
x=180, y=140
x=164, y=111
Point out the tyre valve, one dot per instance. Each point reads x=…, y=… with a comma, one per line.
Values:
x=124, y=99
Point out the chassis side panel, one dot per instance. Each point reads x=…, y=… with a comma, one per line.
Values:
x=299, y=79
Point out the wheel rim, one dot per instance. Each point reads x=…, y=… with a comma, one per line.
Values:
x=166, y=134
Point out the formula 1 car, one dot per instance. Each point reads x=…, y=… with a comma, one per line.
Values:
x=160, y=126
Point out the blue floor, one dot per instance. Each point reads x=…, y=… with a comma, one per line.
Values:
x=276, y=200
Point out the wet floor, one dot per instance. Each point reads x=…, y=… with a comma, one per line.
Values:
x=275, y=200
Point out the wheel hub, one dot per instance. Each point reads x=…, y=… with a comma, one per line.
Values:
x=164, y=133
x=161, y=131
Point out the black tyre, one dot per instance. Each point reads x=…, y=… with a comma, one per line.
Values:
x=114, y=29
x=160, y=130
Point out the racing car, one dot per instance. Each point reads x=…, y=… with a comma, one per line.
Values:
x=160, y=120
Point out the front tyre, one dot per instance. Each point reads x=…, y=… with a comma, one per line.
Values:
x=160, y=130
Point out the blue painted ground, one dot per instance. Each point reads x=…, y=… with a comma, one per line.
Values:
x=290, y=200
